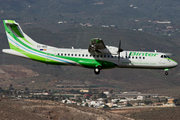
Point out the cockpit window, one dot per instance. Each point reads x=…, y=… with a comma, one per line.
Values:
x=164, y=56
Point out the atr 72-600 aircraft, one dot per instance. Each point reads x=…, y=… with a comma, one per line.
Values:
x=98, y=56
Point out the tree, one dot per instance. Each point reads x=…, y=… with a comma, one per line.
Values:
x=111, y=91
x=105, y=101
x=10, y=87
x=102, y=95
x=26, y=89
x=52, y=98
x=15, y=93
x=87, y=97
x=1, y=89
x=147, y=102
x=2, y=94
x=106, y=106
x=94, y=97
x=79, y=100
x=86, y=105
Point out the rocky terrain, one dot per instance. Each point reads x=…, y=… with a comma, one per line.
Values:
x=13, y=72
x=44, y=110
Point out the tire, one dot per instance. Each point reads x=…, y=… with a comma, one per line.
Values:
x=166, y=73
x=97, y=70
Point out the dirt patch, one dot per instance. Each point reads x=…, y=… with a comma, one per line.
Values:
x=15, y=71
x=42, y=110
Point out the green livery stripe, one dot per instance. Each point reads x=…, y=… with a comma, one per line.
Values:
x=22, y=43
x=35, y=57
x=11, y=21
x=15, y=29
x=171, y=60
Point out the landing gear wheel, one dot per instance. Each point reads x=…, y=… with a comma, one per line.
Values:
x=166, y=72
x=97, y=70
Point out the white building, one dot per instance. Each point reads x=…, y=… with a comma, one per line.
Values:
x=140, y=97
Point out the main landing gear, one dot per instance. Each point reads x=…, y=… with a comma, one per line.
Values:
x=166, y=71
x=97, y=70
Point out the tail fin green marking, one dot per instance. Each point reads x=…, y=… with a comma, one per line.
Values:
x=16, y=30
x=12, y=28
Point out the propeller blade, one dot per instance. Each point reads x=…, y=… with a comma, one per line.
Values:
x=119, y=50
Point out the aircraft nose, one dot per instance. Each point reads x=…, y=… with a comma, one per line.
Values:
x=175, y=64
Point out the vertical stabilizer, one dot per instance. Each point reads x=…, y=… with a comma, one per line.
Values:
x=16, y=36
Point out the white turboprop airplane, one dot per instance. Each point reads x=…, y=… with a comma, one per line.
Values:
x=97, y=56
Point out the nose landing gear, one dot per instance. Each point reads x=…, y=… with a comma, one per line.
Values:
x=166, y=71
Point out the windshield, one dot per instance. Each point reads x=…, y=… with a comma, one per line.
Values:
x=165, y=56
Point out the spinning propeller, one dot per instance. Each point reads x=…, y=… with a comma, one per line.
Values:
x=119, y=50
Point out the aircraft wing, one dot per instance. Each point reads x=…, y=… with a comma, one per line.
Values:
x=97, y=46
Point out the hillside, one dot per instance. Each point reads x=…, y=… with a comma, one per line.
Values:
x=120, y=13
x=45, y=110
